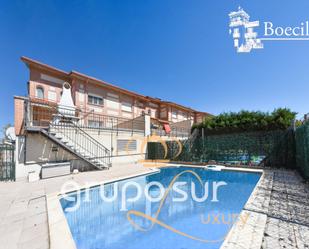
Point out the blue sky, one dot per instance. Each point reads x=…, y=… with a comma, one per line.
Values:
x=175, y=50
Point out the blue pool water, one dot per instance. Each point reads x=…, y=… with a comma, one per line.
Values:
x=99, y=224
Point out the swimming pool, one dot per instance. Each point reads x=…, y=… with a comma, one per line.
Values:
x=185, y=224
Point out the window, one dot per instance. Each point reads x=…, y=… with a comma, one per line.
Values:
x=140, y=104
x=163, y=112
x=52, y=95
x=126, y=106
x=112, y=101
x=39, y=92
x=124, y=145
x=95, y=124
x=153, y=113
x=180, y=115
x=95, y=100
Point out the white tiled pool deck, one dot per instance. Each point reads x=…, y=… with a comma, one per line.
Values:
x=23, y=207
x=278, y=211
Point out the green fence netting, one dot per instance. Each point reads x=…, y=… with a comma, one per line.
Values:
x=302, y=149
x=156, y=150
x=267, y=148
x=7, y=162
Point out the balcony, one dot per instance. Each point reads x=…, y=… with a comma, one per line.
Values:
x=39, y=113
x=178, y=130
x=175, y=133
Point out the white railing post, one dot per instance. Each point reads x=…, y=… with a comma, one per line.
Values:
x=147, y=125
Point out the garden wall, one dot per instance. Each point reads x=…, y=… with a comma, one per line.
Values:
x=302, y=149
x=263, y=148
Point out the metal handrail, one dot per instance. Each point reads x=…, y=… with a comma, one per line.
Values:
x=42, y=118
x=82, y=140
x=175, y=131
x=85, y=142
x=68, y=120
x=82, y=131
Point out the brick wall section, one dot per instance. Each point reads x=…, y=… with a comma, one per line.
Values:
x=19, y=114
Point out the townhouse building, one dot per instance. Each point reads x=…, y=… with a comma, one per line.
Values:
x=70, y=116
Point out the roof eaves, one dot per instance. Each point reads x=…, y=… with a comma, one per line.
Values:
x=85, y=76
x=36, y=63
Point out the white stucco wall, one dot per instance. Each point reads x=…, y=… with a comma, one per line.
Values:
x=22, y=170
x=40, y=150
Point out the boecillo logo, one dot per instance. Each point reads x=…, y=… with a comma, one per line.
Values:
x=246, y=38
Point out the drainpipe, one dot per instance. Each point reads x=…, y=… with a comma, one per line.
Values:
x=26, y=120
x=112, y=148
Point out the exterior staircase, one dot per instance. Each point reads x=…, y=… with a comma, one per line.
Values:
x=75, y=140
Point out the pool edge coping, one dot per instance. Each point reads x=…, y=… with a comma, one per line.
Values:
x=59, y=230
x=234, y=232
x=237, y=228
x=58, y=227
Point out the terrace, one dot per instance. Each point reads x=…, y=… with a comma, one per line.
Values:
x=39, y=113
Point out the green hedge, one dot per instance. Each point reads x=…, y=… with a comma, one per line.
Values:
x=279, y=119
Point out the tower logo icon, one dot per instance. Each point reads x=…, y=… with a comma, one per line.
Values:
x=242, y=30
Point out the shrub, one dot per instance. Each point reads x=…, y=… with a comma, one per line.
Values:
x=279, y=119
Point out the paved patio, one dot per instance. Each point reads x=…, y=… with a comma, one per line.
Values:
x=23, y=215
x=278, y=214
x=280, y=208
x=287, y=223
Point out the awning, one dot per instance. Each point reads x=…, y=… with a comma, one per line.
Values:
x=167, y=128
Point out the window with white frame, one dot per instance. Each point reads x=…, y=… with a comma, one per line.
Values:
x=180, y=115
x=95, y=100
x=112, y=101
x=39, y=92
x=153, y=113
x=126, y=106
x=52, y=96
x=95, y=124
x=174, y=114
